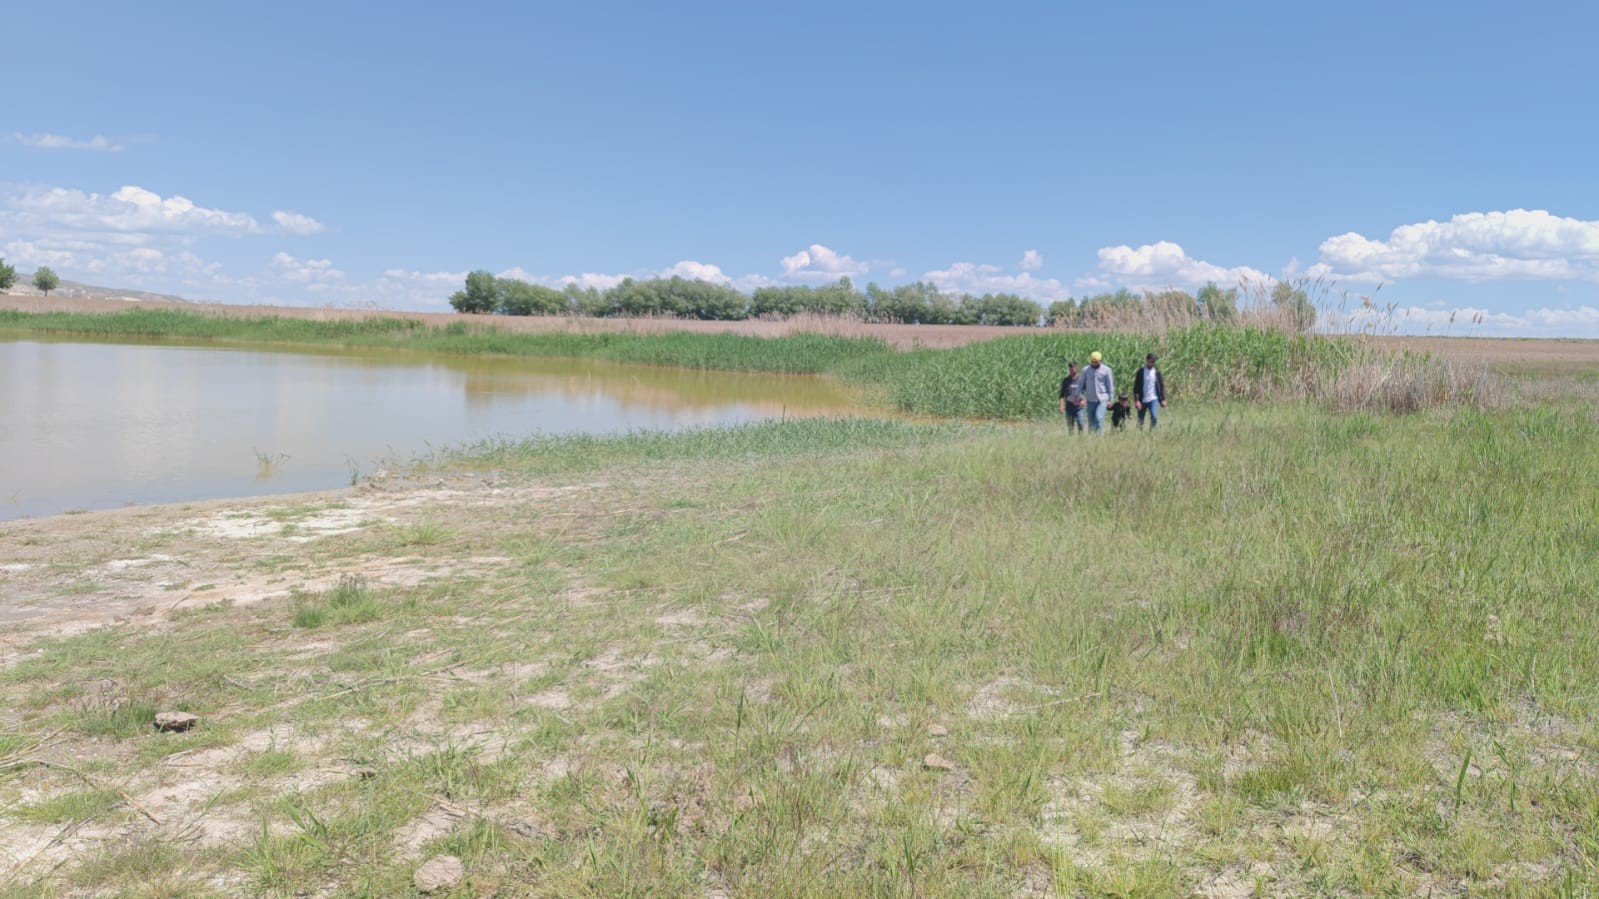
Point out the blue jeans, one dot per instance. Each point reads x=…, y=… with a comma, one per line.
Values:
x=1154, y=413
x=1074, y=417
x=1096, y=416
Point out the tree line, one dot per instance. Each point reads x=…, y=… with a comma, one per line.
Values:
x=915, y=303
x=43, y=278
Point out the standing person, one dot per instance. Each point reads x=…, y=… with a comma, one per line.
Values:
x=1149, y=392
x=1099, y=388
x=1071, y=397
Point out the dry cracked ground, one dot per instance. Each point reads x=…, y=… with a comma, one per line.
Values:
x=511, y=673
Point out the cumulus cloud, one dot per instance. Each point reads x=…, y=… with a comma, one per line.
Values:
x=1162, y=265
x=295, y=223
x=1577, y=321
x=99, y=143
x=696, y=271
x=974, y=278
x=1032, y=261
x=822, y=264
x=313, y=273
x=129, y=210
x=594, y=280
x=1475, y=246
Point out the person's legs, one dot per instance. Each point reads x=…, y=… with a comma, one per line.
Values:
x=1096, y=416
x=1153, y=409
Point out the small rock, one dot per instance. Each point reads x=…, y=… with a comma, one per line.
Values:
x=937, y=730
x=936, y=762
x=441, y=872
x=173, y=722
x=364, y=773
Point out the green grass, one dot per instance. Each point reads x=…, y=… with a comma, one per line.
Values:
x=1018, y=377
x=794, y=354
x=1296, y=653
x=351, y=601
x=1008, y=378
x=81, y=805
x=767, y=440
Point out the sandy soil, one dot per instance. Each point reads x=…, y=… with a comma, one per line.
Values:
x=65, y=574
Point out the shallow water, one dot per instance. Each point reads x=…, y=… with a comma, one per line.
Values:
x=98, y=425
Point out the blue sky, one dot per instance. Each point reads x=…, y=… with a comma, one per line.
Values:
x=373, y=153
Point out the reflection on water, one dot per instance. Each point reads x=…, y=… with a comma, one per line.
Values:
x=96, y=425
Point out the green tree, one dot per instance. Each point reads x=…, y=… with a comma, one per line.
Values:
x=1064, y=313
x=1218, y=305
x=8, y=275
x=516, y=297
x=481, y=295
x=703, y=300
x=1295, y=304
x=1104, y=309
x=999, y=309
x=585, y=300
x=46, y=280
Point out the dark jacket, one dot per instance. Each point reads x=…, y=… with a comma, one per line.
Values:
x=1138, y=385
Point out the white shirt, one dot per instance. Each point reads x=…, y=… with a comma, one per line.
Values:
x=1150, y=396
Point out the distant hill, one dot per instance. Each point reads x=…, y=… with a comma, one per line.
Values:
x=24, y=287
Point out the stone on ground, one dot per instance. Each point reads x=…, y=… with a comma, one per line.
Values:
x=441, y=872
x=173, y=722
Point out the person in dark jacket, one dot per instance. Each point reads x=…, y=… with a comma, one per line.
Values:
x=1119, y=411
x=1149, y=392
x=1071, y=397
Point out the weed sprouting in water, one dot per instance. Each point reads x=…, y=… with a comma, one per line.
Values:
x=267, y=464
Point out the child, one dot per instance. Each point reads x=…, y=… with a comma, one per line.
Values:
x=1119, y=411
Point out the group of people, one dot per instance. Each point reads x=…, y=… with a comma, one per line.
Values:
x=1086, y=395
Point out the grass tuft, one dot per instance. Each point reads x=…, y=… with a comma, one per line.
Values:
x=351, y=601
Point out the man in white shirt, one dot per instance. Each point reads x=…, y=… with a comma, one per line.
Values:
x=1149, y=392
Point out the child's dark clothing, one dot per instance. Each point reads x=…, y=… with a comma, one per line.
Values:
x=1119, y=411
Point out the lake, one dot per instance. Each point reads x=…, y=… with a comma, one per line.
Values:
x=100, y=425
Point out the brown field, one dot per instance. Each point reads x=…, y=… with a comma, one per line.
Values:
x=1547, y=355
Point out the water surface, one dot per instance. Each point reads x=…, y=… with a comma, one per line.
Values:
x=98, y=425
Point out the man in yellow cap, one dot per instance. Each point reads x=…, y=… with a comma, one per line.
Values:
x=1099, y=390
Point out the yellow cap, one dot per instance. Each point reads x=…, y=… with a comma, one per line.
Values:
x=1094, y=357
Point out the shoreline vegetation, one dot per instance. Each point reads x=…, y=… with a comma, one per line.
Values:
x=1308, y=654
x=1009, y=377
x=1291, y=643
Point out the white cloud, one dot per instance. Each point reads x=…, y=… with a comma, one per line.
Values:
x=596, y=281
x=409, y=277
x=295, y=223
x=130, y=209
x=1475, y=246
x=821, y=263
x=99, y=143
x=1032, y=261
x=315, y=274
x=31, y=254
x=696, y=271
x=973, y=278
x=1164, y=265
x=1471, y=321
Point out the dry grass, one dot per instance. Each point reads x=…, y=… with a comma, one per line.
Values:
x=901, y=336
